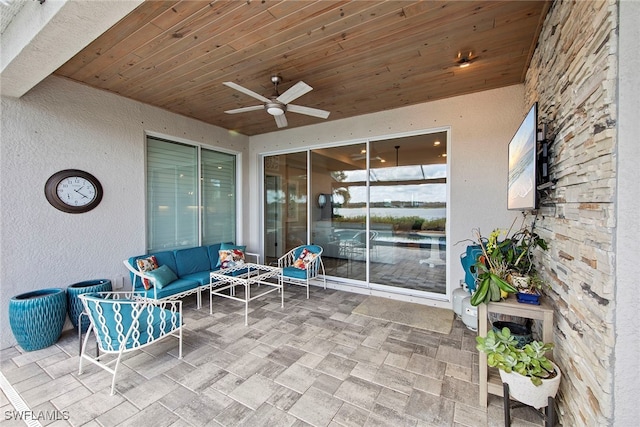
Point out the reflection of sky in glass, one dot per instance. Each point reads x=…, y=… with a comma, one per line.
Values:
x=412, y=192
x=408, y=193
x=399, y=173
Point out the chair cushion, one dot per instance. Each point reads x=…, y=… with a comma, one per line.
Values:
x=153, y=322
x=192, y=260
x=162, y=276
x=146, y=265
x=305, y=259
x=294, y=272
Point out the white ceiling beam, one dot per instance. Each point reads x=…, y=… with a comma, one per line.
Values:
x=42, y=37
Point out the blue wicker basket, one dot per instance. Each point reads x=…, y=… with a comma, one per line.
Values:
x=37, y=317
x=74, y=305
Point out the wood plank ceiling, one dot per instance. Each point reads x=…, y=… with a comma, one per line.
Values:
x=359, y=56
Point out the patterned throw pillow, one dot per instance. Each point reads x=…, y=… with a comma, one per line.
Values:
x=144, y=265
x=305, y=259
x=231, y=258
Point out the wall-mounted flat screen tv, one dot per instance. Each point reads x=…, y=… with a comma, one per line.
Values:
x=522, y=193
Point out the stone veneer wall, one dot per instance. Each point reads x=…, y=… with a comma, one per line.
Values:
x=573, y=77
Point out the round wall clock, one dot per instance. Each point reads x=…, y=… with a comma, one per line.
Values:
x=73, y=191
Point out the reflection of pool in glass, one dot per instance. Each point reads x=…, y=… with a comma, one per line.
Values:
x=411, y=238
x=421, y=239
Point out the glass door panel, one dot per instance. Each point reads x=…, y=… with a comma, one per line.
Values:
x=407, y=212
x=285, y=222
x=339, y=210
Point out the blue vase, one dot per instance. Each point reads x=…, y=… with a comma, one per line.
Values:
x=74, y=304
x=37, y=317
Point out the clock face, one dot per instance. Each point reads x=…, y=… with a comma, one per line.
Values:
x=76, y=191
x=73, y=191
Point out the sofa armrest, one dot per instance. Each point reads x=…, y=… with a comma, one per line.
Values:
x=256, y=256
x=139, y=274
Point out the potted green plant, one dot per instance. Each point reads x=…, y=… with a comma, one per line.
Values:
x=506, y=265
x=532, y=378
x=493, y=271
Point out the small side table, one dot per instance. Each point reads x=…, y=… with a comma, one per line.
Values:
x=489, y=383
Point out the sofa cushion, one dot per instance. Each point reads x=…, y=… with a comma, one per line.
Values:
x=192, y=260
x=203, y=277
x=162, y=276
x=214, y=256
x=166, y=258
x=162, y=258
x=175, y=287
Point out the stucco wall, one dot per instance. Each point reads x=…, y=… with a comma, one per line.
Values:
x=481, y=124
x=626, y=373
x=63, y=125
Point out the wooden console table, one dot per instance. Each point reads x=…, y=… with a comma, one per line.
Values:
x=490, y=382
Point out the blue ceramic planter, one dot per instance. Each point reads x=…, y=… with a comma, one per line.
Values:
x=37, y=317
x=528, y=298
x=74, y=304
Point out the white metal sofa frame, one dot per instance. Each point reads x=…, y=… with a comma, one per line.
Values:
x=124, y=322
x=297, y=276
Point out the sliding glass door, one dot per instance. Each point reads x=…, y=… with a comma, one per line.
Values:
x=378, y=209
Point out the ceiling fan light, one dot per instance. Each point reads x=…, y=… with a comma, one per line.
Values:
x=275, y=111
x=275, y=108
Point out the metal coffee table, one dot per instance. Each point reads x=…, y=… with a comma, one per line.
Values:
x=244, y=275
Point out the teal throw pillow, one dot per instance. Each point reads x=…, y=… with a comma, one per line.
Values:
x=162, y=276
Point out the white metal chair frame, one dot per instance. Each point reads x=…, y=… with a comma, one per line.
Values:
x=312, y=270
x=124, y=322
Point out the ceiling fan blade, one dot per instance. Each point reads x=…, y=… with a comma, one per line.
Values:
x=315, y=112
x=294, y=92
x=281, y=121
x=245, y=109
x=246, y=91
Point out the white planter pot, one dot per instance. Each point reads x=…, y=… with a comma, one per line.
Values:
x=523, y=390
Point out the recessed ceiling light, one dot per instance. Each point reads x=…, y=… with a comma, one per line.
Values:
x=465, y=60
x=436, y=143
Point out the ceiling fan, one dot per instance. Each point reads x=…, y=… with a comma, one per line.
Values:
x=278, y=104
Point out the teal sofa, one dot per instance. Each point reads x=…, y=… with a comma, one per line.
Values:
x=184, y=271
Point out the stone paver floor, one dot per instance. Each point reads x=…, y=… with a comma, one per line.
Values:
x=312, y=363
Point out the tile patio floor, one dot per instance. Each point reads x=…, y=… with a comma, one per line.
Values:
x=311, y=363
